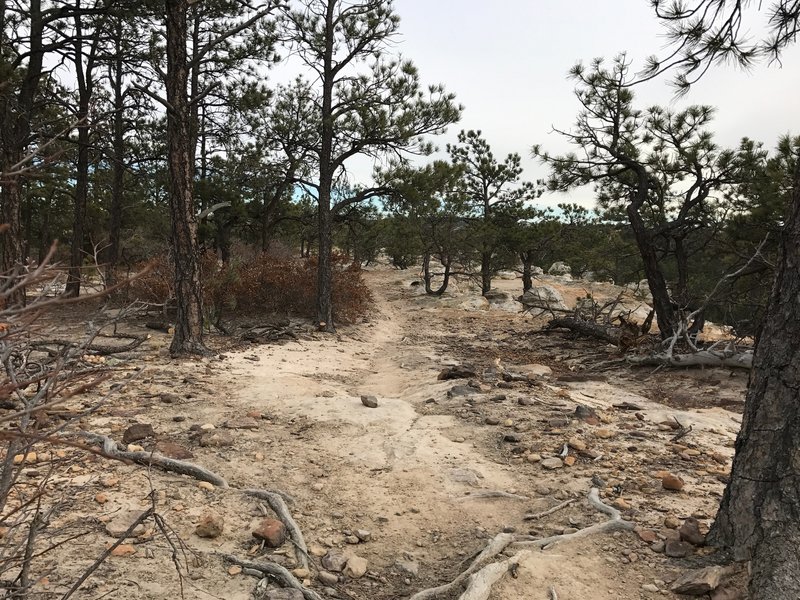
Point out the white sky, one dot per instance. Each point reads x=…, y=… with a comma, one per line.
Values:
x=507, y=60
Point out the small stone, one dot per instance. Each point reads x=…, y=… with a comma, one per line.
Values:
x=690, y=532
x=317, y=487
x=241, y=423
x=369, y=401
x=658, y=546
x=173, y=450
x=207, y=427
x=512, y=438
x=255, y=414
x=552, y=463
x=122, y=521
x=621, y=504
x=533, y=457
x=234, y=570
x=169, y=398
x=646, y=535
x=101, y=498
x=216, y=439
x=205, y=485
x=650, y=587
x=109, y=481
x=328, y=394
x=672, y=482
x=492, y=421
x=569, y=460
x=356, y=567
x=316, y=550
x=327, y=578
x=577, y=444
x=508, y=423
x=136, y=432
x=258, y=456
x=301, y=572
x=124, y=550
x=604, y=434
x=271, y=531
x=363, y=534
x=677, y=549
x=672, y=522
x=210, y=526
x=135, y=448
x=334, y=560
x=351, y=539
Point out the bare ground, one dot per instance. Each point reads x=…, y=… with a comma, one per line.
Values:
x=413, y=472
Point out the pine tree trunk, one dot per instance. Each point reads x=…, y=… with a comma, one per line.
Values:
x=326, y=174
x=527, y=271
x=486, y=272
x=118, y=165
x=759, y=517
x=665, y=313
x=75, y=274
x=188, y=338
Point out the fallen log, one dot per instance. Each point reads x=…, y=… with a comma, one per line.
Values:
x=702, y=358
x=607, y=333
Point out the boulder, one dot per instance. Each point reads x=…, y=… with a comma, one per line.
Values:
x=559, y=268
x=698, y=582
x=542, y=297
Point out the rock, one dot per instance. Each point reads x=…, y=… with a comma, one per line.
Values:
x=492, y=421
x=577, y=444
x=334, y=560
x=316, y=550
x=621, y=504
x=672, y=522
x=210, y=526
x=170, y=398
x=135, y=448
x=328, y=394
x=352, y=539
x=459, y=372
x=646, y=535
x=552, y=463
x=672, y=482
x=101, y=498
x=533, y=371
x=409, y=568
x=587, y=414
x=658, y=546
x=526, y=402
x=569, y=460
x=124, y=550
x=109, y=481
x=216, y=439
x=605, y=434
x=234, y=570
x=650, y=587
x=540, y=298
x=284, y=594
x=327, y=578
x=559, y=268
x=363, y=534
x=173, y=450
x=677, y=549
x=726, y=593
x=270, y=531
x=205, y=485
x=512, y=438
x=356, y=567
x=461, y=390
x=698, y=582
x=136, y=432
x=369, y=401
x=464, y=475
x=690, y=532
x=122, y=521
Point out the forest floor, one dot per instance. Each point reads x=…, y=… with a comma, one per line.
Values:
x=411, y=485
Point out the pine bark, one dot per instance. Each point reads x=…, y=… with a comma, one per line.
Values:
x=759, y=517
x=188, y=338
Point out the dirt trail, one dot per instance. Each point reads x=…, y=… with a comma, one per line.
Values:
x=411, y=472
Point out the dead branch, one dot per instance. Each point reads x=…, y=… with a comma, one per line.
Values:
x=482, y=495
x=95, y=348
x=701, y=358
x=549, y=511
x=604, y=332
x=277, y=572
x=151, y=459
x=480, y=583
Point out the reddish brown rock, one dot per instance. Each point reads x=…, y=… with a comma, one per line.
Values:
x=672, y=482
x=646, y=535
x=136, y=432
x=173, y=450
x=210, y=526
x=690, y=532
x=270, y=531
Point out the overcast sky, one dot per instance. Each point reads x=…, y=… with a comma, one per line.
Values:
x=506, y=61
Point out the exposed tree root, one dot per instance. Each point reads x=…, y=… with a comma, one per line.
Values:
x=277, y=572
x=495, y=547
x=151, y=459
x=482, y=573
x=278, y=505
x=482, y=495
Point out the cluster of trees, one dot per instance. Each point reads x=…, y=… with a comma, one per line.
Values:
x=123, y=125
